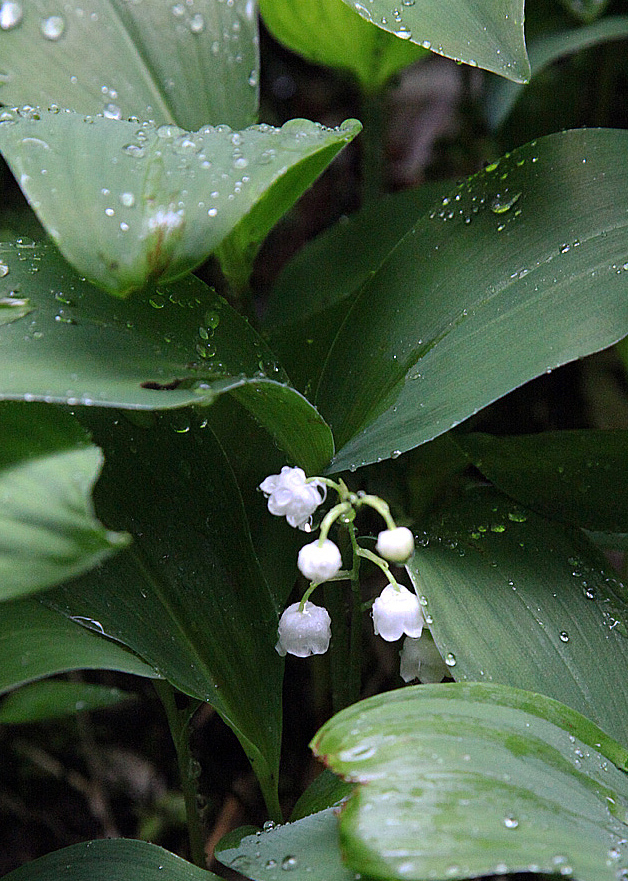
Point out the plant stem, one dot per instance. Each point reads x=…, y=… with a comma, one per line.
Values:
x=372, y=139
x=355, y=651
x=179, y=723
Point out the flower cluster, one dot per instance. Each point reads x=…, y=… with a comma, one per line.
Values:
x=292, y=496
x=304, y=628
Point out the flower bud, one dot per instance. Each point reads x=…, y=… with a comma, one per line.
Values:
x=396, y=611
x=304, y=633
x=396, y=545
x=290, y=496
x=319, y=563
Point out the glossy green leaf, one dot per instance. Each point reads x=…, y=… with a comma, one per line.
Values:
x=545, y=50
x=308, y=849
x=482, y=33
x=326, y=791
x=13, y=308
x=337, y=262
x=181, y=344
x=131, y=204
x=158, y=61
x=326, y=32
x=472, y=779
x=518, y=599
x=577, y=477
x=537, y=241
x=48, y=529
x=189, y=597
x=42, y=701
x=36, y=641
x=114, y=859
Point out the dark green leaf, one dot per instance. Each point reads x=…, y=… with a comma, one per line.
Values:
x=514, y=598
x=42, y=701
x=182, y=344
x=338, y=261
x=48, y=529
x=326, y=791
x=517, y=271
x=159, y=61
x=482, y=33
x=326, y=32
x=36, y=642
x=111, y=860
x=546, y=49
x=308, y=850
x=189, y=597
x=475, y=779
x=131, y=204
x=573, y=476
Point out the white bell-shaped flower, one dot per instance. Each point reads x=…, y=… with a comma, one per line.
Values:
x=291, y=497
x=319, y=563
x=396, y=545
x=304, y=633
x=420, y=659
x=396, y=611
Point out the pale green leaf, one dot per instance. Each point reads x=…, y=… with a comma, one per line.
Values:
x=42, y=701
x=462, y=780
x=48, y=529
x=131, y=204
x=166, y=62
x=482, y=33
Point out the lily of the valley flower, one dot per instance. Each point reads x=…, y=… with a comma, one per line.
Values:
x=291, y=497
x=397, y=611
x=319, y=562
x=304, y=633
x=396, y=545
x=420, y=659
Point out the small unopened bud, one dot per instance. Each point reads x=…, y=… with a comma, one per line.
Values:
x=319, y=563
x=396, y=545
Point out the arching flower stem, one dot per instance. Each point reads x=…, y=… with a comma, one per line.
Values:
x=383, y=565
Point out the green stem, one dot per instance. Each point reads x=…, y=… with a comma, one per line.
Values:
x=339, y=648
x=373, y=154
x=355, y=649
x=179, y=723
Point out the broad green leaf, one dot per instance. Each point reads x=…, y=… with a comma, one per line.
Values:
x=577, y=477
x=517, y=271
x=518, y=599
x=189, y=597
x=132, y=204
x=13, y=308
x=324, y=792
x=308, y=850
x=48, y=529
x=546, y=49
x=170, y=63
x=472, y=779
x=36, y=641
x=482, y=33
x=42, y=701
x=336, y=263
x=114, y=859
x=181, y=344
x=326, y=32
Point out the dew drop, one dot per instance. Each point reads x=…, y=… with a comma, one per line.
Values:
x=4, y=270
x=450, y=659
x=289, y=863
x=503, y=202
x=197, y=24
x=53, y=27
x=511, y=822
x=112, y=111
x=11, y=15
x=269, y=825
x=127, y=199
x=134, y=150
x=564, y=636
